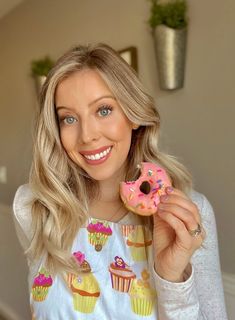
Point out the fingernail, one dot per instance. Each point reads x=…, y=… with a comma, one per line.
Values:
x=164, y=198
x=169, y=189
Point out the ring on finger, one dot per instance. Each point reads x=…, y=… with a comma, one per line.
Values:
x=196, y=232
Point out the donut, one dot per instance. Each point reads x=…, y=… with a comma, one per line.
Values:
x=143, y=195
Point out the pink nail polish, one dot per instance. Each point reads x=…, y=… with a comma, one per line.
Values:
x=169, y=189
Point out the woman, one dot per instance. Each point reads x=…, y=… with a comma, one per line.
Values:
x=89, y=258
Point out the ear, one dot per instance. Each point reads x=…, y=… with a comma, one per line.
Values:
x=135, y=126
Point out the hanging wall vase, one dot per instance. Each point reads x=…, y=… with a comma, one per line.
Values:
x=39, y=70
x=39, y=81
x=170, y=48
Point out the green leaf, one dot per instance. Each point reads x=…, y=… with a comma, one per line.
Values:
x=171, y=14
x=41, y=67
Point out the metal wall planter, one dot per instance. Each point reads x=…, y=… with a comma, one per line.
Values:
x=39, y=81
x=170, y=48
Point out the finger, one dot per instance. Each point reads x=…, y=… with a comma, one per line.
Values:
x=183, y=236
x=184, y=203
x=190, y=219
x=176, y=196
x=171, y=190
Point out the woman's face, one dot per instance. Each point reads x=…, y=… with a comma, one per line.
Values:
x=94, y=131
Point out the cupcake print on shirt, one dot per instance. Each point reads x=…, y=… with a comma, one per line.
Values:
x=121, y=275
x=126, y=229
x=83, y=264
x=41, y=285
x=85, y=287
x=98, y=233
x=139, y=240
x=143, y=296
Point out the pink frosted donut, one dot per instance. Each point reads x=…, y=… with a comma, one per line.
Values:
x=143, y=195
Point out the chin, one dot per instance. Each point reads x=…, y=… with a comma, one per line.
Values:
x=108, y=172
x=110, y=169
x=102, y=175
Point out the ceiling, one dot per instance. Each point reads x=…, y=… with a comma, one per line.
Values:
x=7, y=5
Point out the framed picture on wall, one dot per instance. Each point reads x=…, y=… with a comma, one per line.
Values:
x=130, y=56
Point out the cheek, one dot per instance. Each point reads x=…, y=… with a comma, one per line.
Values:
x=120, y=130
x=68, y=139
x=125, y=132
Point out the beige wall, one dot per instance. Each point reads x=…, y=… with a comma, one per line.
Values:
x=198, y=121
x=13, y=271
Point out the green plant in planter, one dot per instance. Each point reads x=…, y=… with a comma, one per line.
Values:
x=171, y=14
x=41, y=67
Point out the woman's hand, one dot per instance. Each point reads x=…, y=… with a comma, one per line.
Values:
x=173, y=244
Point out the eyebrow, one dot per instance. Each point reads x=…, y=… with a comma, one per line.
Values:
x=90, y=104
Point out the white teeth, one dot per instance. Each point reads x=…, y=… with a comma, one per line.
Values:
x=98, y=156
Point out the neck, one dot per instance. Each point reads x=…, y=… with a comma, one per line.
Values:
x=108, y=210
x=109, y=205
x=110, y=188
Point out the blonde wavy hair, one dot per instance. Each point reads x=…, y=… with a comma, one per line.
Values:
x=61, y=189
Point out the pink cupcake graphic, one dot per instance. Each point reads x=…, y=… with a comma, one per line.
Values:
x=41, y=285
x=121, y=275
x=98, y=233
x=84, y=265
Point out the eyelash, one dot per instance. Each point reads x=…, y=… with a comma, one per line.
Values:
x=105, y=107
x=63, y=120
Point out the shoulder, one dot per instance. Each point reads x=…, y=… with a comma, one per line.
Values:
x=200, y=200
x=22, y=206
x=204, y=207
x=23, y=198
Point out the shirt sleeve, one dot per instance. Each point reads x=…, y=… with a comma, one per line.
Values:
x=200, y=296
x=22, y=215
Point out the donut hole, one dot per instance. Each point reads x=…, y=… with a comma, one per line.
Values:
x=145, y=187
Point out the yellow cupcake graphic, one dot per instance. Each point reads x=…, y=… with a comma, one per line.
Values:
x=138, y=240
x=143, y=297
x=86, y=291
x=85, y=287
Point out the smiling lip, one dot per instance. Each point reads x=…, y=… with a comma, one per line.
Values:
x=92, y=152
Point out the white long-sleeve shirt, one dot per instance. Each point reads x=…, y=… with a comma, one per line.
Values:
x=122, y=282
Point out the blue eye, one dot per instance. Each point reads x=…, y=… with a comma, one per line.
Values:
x=105, y=111
x=69, y=120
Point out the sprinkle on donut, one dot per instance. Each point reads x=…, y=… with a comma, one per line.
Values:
x=142, y=196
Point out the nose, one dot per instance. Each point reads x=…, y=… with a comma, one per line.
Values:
x=89, y=131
